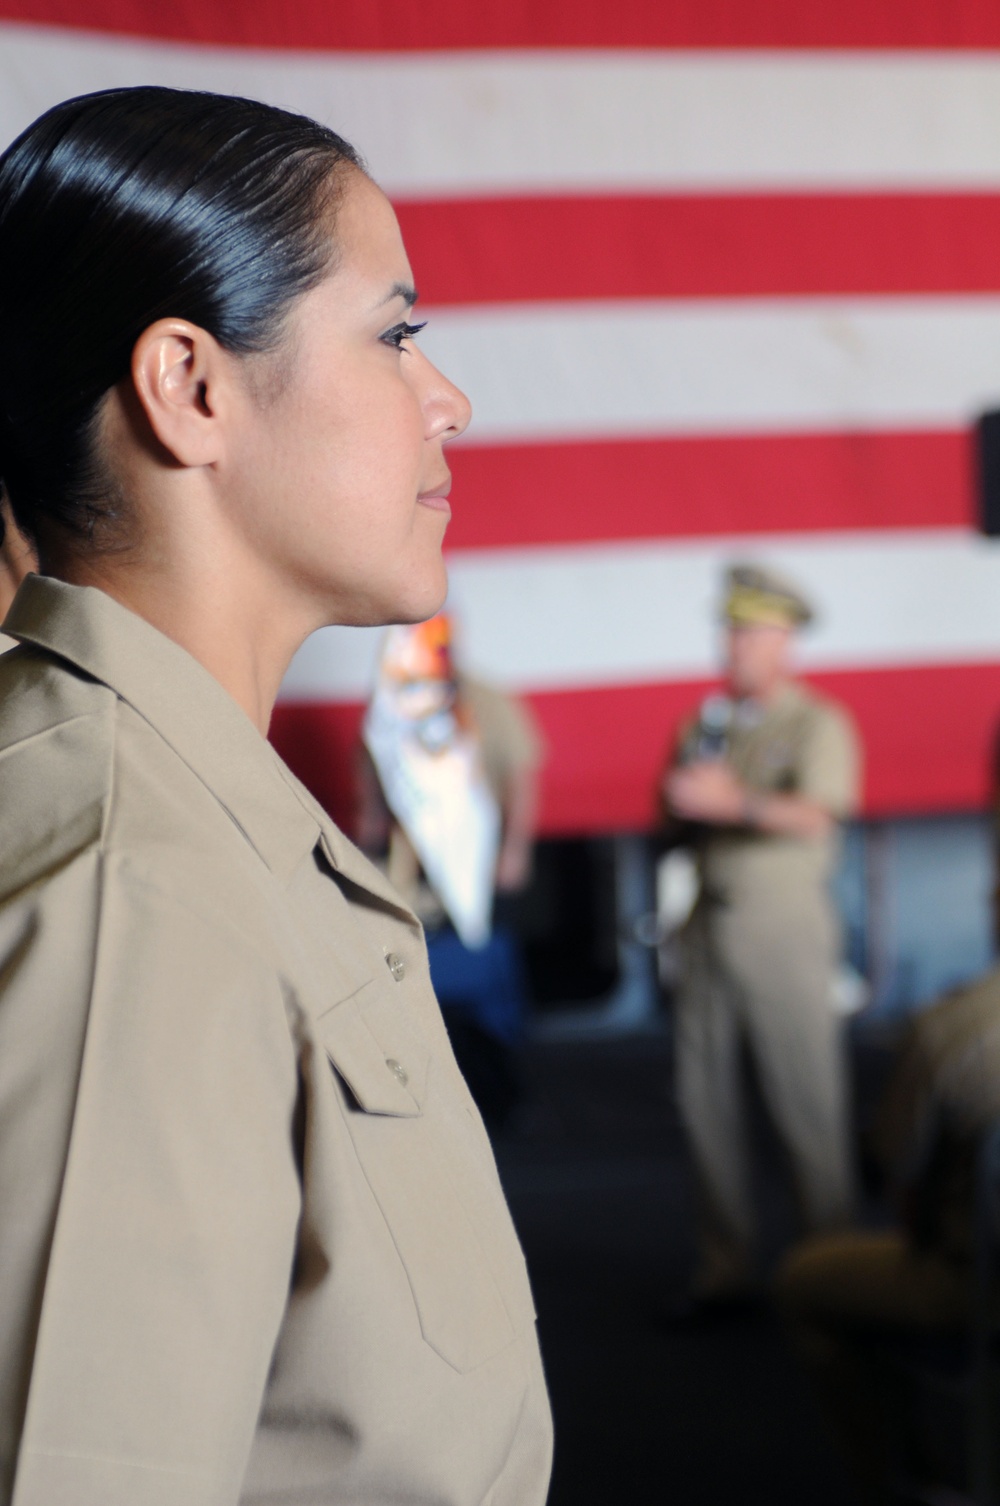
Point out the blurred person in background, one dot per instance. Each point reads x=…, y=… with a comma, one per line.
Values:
x=447, y=800
x=841, y=1293
x=757, y=785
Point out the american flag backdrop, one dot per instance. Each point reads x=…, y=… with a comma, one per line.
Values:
x=721, y=278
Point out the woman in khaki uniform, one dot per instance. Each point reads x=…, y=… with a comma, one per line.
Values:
x=252, y=1240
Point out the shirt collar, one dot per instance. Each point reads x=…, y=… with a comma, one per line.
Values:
x=183, y=702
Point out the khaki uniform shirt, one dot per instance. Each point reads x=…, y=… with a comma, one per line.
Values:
x=942, y=1095
x=252, y=1243
x=801, y=745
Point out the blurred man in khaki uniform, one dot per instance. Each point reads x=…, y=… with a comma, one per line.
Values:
x=839, y=1292
x=764, y=774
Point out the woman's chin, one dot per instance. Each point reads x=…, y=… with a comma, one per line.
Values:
x=415, y=603
x=423, y=599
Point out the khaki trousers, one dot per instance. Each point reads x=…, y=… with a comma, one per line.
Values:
x=757, y=979
x=838, y=1293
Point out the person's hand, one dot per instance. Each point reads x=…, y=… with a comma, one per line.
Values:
x=513, y=867
x=706, y=791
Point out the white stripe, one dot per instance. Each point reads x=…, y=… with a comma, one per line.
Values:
x=550, y=371
x=613, y=614
x=494, y=122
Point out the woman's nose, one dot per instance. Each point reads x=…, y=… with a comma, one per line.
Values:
x=447, y=407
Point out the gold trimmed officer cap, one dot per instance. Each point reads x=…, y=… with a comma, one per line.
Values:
x=756, y=594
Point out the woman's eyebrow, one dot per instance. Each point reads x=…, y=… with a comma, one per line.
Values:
x=402, y=290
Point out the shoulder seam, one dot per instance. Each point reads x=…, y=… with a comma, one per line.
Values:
x=33, y=737
x=211, y=920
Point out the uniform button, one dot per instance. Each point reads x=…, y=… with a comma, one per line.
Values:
x=398, y=1070
x=396, y=966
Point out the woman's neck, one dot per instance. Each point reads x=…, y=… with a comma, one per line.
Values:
x=232, y=624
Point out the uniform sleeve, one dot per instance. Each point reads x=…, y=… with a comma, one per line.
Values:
x=523, y=736
x=830, y=771
x=148, y=1144
x=510, y=733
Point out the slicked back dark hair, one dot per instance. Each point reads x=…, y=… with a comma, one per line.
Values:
x=128, y=206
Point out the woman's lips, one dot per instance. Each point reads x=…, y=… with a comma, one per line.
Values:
x=437, y=500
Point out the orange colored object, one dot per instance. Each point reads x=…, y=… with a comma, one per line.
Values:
x=420, y=652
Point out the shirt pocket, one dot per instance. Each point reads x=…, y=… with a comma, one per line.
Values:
x=467, y=1288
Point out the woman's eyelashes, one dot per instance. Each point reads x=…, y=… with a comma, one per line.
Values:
x=401, y=332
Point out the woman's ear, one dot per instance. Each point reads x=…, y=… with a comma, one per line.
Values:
x=181, y=377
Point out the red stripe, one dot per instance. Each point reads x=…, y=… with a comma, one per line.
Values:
x=680, y=246
x=413, y=24
x=318, y=741
x=509, y=495
x=928, y=737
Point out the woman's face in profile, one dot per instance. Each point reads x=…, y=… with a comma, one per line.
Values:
x=342, y=477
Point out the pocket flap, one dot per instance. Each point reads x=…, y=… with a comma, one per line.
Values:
x=378, y=1053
